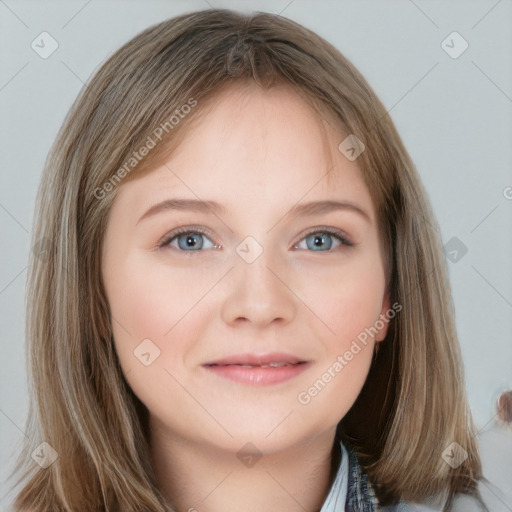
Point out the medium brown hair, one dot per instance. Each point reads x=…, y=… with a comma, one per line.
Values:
x=413, y=404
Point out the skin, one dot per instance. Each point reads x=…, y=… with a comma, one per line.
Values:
x=258, y=153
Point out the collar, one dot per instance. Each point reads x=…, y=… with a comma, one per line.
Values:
x=350, y=491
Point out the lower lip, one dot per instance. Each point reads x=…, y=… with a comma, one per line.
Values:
x=258, y=376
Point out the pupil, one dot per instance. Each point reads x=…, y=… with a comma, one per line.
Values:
x=320, y=240
x=191, y=241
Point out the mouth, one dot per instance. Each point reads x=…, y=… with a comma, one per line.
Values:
x=265, y=369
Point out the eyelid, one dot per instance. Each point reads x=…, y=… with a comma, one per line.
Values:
x=181, y=230
x=344, y=239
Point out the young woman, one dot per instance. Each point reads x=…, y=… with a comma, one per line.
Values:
x=241, y=302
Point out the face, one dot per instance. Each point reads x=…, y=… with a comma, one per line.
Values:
x=276, y=296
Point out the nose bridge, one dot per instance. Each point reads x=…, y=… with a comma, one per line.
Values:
x=258, y=292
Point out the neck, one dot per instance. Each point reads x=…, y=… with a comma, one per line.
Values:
x=199, y=477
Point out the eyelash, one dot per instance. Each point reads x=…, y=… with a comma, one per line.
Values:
x=190, y=229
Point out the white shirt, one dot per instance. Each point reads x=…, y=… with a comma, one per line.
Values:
x=337, y=496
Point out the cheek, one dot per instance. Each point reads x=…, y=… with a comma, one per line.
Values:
x=172, y=308
x=330, y=393
x=347, y=298
x=151, y=302
x=348, y=304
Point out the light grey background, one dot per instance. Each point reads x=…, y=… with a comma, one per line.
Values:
x=454, y=116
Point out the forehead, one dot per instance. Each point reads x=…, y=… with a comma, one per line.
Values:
x=248, y=123
x=250, y=144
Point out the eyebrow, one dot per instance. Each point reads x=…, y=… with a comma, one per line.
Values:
x=301, y=209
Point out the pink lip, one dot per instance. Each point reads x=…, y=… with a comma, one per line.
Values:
x=234, y=368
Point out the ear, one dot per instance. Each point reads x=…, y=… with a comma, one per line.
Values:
x=382, y=323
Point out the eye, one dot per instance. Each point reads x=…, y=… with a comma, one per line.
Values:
x=321, y=240
x=187, y=239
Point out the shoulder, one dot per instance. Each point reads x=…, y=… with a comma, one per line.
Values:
x=361, y=496
x=462, y=503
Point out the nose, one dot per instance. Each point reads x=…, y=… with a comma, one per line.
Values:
x=260, y=293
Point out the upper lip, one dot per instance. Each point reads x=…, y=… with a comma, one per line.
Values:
x=257, y=359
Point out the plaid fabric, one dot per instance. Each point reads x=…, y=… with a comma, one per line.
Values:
x=351, y=491
x=360, y=495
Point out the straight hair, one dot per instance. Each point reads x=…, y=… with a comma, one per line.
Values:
x=413, y=404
